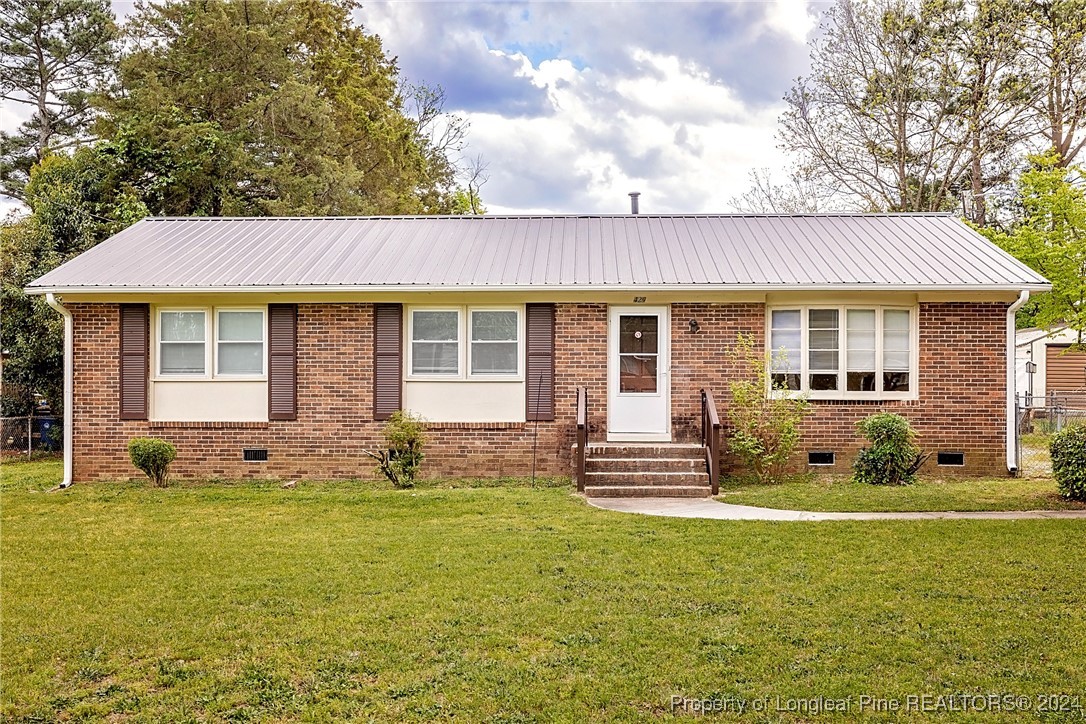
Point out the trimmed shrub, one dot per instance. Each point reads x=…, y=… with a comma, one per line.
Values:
x=405, y=434
x=893, y=456
x=153, y=457
x=1068, y=449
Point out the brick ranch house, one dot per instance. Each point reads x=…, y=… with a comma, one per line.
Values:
x=275, y=347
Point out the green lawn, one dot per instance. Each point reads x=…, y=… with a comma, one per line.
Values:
x=840, y=494
x=337, y=601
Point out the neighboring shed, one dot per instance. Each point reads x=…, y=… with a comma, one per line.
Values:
x=1060, y=368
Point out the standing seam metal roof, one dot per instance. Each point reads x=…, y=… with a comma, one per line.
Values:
x=540, y=252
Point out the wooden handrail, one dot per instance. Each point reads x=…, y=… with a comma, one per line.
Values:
x=582, y=437
x=710, y=438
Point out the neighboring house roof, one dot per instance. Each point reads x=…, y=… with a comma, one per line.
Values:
x=827, y=251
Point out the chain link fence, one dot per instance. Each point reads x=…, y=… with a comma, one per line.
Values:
x=28, y=435
x=1036, y=426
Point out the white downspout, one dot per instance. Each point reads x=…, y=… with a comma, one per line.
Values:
x=69, y=374
x=1012, y=408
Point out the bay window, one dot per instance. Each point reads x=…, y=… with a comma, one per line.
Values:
x=843, y=352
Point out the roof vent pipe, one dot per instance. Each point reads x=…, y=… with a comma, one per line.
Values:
x=633, y=201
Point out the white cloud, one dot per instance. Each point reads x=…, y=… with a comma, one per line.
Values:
x=677, y=101
x=795, y=18
x=680, y=138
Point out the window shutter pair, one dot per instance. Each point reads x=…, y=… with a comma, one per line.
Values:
x=387, y=361
x=282, y=361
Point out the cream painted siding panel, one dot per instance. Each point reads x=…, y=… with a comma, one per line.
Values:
x=209, y=401
x=465, y=401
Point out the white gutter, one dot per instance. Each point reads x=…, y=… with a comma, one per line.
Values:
x=69, y=370
x=1012, y=406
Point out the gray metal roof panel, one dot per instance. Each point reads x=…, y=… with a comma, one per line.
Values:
x=830, y=250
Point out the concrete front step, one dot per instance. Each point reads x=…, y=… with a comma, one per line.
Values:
x=626, y=450
x=647, y=478
x=635, y=491
x=637, y=465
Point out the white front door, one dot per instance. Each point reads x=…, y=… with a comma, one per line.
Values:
x=638, y=366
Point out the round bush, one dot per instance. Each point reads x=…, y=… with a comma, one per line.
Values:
x=153, y=457
x=893, y=456
x=1068, y=449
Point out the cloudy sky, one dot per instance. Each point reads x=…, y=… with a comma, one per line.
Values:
x=574, y=104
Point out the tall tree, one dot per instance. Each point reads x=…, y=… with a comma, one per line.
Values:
x=985, y=40
x=76, y=203
x=1051, y=238
x=268, y=107
x=53, y=54
x=1054, y=58
x=912, y=103
x=875, y=120
x=798, y=195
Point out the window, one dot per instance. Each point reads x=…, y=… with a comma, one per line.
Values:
x=843, y=352
x=435, y=342
x=492, y=348
x=182, y=342
x=494, y=342
x=183, y=349
x=239, y=342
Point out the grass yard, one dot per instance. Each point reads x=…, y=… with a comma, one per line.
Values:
x=824, y=494
x=338, y=601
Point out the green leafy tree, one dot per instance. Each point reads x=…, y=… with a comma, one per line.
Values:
x=76, y=203
x=1051, y=238
x=53, y=54
x=272, y=108
x=221, y=108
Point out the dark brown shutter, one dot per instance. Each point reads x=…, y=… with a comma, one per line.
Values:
x=387, y=359
x=540, y=361
x=135, y=345
x=282, y=361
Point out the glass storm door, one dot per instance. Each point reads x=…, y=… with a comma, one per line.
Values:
x=638, y=366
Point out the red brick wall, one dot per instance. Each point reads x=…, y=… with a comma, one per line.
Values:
x=335, y=408
x=962, y=373
x=962, y=377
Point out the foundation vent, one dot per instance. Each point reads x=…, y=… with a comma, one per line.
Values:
x=821, y=457
x=951, y=458
x=254, y=454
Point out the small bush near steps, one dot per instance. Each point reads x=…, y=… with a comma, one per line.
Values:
x=153, y=457
x=765, y=428
x=893, y=456
x=1068, y=449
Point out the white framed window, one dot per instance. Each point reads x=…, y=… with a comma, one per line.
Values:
x=239, y=342
x=211, y=343
x=844, y=352
x=495, y=342
x=182, y=342
x=435, y=342
x=464, y=342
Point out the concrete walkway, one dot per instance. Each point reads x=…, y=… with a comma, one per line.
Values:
x=709, y=508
